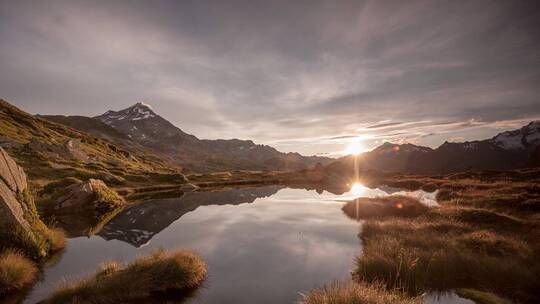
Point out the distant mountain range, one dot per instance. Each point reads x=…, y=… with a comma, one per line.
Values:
x=142, y=140
x=139, y=125
x=507, y=150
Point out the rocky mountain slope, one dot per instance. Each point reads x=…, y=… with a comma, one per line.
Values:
x=505, y=151
x=49, y=151
x=143, y=126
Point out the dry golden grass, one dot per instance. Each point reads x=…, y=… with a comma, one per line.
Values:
x=178, y=272
x=16, y=271
x=484, y=236
x=354, y=293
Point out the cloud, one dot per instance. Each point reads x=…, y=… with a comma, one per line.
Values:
x=307, y=76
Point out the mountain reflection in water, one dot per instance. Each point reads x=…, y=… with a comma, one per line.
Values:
x=138, y=224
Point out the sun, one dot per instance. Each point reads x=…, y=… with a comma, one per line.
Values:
x=354, y=148
x=357, y=189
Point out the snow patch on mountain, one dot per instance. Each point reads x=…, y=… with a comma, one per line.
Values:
x=522, y=138
x=507, y=140
x=138, y=111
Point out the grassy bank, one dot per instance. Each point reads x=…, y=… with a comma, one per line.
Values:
x=161, y=272
x=484, y=236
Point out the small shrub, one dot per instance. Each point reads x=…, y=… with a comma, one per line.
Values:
x=16, y=271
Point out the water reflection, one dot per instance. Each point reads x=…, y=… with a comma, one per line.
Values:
x=138, y=224
x=262, y=245
x=445, y=298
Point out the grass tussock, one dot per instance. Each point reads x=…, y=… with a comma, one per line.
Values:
x=16, y=271
x=383, y=207
x=354, y=293
x=481, y=297
x=161, y=272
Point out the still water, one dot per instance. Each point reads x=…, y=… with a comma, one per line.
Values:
x=262, y=245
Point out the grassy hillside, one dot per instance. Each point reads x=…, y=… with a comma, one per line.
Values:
x=50, y=152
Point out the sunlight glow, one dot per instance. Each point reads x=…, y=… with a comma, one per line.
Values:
x=357, y=189
x=354, y=148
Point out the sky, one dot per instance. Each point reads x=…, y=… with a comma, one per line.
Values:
x=305, y=76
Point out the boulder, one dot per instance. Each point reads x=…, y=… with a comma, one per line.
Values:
x=12, y=184
x=18, y=216
x=12, y=211
x=91, y=196
x=11, y=174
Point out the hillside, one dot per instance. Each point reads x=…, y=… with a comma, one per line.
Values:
x=50, y=152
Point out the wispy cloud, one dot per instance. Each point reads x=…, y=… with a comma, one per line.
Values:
x=307, y=76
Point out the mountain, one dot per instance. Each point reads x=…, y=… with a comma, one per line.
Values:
x=50, y=151
x=505, y=151
x=88, y=125
x=143, y=126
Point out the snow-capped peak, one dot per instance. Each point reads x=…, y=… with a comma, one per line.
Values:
x=137, y=111
x=522, y=138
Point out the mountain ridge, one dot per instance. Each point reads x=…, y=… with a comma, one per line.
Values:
x=507, y=150
x=141, y=125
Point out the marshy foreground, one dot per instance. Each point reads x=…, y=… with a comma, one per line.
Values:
x=385, y=239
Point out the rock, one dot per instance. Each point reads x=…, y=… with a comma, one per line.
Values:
x=188, y=187
x=73, y=146
x=58, y=166
x=12, y=211
x=11, y=174
x=111, y=178
x=91, y=196
x=18, y=216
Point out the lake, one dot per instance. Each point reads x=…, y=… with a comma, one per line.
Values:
x=262, y=245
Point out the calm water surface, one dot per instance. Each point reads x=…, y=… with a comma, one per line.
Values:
x=262, y=245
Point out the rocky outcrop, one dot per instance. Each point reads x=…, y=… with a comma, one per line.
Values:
x=91, y=196
x=70, y=149
x=12, y=185
x=20, y=225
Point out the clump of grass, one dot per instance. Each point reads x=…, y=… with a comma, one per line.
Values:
x=37, y=243
x=56, y=238
x=381, y=207
x=16, y=271
x=160, y=272
x=108, y=199
x=481, y=297
x=363, y=293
